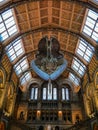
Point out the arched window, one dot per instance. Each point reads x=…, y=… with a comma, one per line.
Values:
x=65, y=93
x=49, y=92
x=34, y=92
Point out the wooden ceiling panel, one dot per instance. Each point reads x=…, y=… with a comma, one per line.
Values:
x=36, y=39
x=65, y=24
x=66, y=15
x=32, y=6
x=55, y=20
x=44, y=12
x=75, y=27
x=55, y=12
x=20, y=9
x=56, y=4
x=43, y=4
x=22, y=18
x=23, y=26
x=34, y=23
x=33, y=14
x=78, y=18
x=44, y=20
x=79, y=9
x=67, y=6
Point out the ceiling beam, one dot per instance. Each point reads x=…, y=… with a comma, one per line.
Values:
x=12, y=4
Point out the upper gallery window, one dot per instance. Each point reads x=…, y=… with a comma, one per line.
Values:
x=34, y=93
x=84, y=50
x=91, y=25
x=94, y=1
x=21, y=66
x=65, y=93
x=78, y=66
x=2, y=1
x=7, y=24
x=14, y=50
x=25, y=78
x=49, y=92
x=74, y=79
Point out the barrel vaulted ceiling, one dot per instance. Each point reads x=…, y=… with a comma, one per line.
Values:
x=63, y=19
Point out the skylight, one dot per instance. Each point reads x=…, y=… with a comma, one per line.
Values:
x=21, y=66
x=2, y=0
x=74, y=79
x=94, y=1
x=25, y=78
x=84, y=50
x=7, y=24
x=91, y=25
x=78, y=67
x=14, y=50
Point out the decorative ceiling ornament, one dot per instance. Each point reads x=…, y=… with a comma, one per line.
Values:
x=49, y=62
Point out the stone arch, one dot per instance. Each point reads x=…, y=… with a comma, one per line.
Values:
x=34, y=80
x=37, y=83
x=66, y=81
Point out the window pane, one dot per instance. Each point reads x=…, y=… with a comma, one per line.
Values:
x=15, y=48
x=74, y=79
x=44, y=93
x=63, y=94
x=86, y=53
x=1, y=0
x=32, y=93
x=54, y=93
x=36, y=93
x=90, y=25
x=25, y=78
x=67, y=94
x=21, y=66
x=7, y=24
x=7, y=14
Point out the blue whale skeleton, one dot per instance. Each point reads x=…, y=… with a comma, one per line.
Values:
x=49, y=63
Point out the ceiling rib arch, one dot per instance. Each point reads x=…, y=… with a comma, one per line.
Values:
x=12, y=4
x=34, y=51
x=48, y=28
